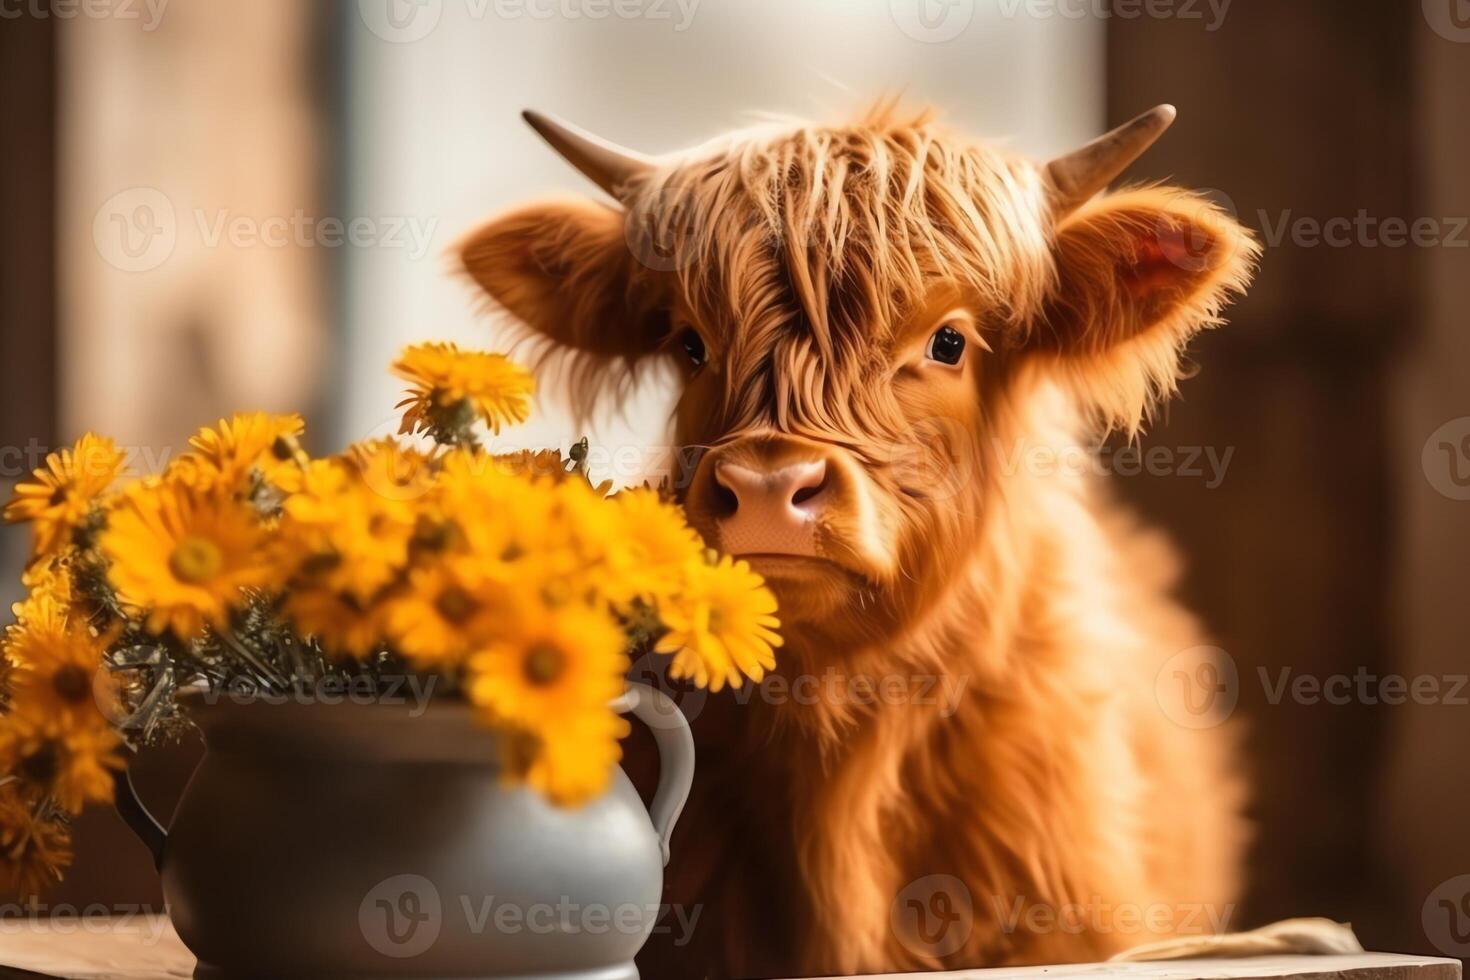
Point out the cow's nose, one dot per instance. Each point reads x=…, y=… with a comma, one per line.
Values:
x=771, y=510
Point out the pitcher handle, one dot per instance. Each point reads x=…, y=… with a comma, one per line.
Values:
x=142, y=823
x=675, y=756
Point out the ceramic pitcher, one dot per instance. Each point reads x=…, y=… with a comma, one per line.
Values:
x=370, y=840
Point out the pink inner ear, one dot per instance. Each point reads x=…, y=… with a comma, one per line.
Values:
x=1168, y=257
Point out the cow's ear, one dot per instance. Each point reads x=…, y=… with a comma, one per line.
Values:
x=1138, y=274
x=564, y=269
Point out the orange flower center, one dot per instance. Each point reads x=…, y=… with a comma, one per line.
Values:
x=196, y=560
x=455, y=605
x=71, y=683
x=543, y=664
x=42, y=765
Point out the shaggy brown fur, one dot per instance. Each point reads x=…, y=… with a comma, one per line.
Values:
x=981, y=639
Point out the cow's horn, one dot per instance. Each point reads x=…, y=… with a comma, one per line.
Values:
x=1082, y=173
x=609, y=166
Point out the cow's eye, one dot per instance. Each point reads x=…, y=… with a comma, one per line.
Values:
x=947, y=346
x=693, y=345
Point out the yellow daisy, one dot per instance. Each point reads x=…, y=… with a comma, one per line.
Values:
x=249, y=442
x=59, y=666
x=34, y=850
x=451, y=387
x=65, y=490
x=183, y=556
x=507, y=522
x=651, y=547
x=342, y=536
x=444, y=613
x=393, y=470
x=550, y=665
x=342, y=625
x=69, y=757
x=50, y=594
x=569, y=763
x=721, y=625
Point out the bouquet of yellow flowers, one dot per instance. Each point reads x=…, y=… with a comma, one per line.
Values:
x=248, y=563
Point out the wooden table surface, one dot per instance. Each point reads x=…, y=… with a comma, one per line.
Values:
x=147, y=948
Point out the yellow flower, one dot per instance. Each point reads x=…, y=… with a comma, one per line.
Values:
x=183, y=556
x=569, y=763
x=392, y=470
x=340, y=535
x=451, y=387
x=507, y=522
x=34, y=849
x=50, y=595
x=250, y=442
x=550, y=665
x=343, y=626
x=69, y=756
x=447, y=610
x=652, y=548
x=722, y=625
x=58, y=665
x=65, y=490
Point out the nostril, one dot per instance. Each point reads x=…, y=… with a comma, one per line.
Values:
x=807, y=493
x=810, y=480
x=726, y=502
x=726, y=499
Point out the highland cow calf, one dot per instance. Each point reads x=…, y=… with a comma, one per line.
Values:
x=884, y=331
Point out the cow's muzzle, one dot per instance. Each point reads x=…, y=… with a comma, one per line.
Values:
x=767, y=494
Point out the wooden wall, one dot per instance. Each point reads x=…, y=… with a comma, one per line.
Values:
x=28, y=269
x=1300, y=110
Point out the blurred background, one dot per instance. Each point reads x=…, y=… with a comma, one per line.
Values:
x=210, y=207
